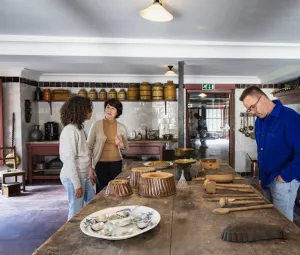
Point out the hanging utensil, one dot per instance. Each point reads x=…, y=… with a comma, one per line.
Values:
x=251, y=126
x=247, y=134
x=252, y=134
x=241, y=126
x=9, y=161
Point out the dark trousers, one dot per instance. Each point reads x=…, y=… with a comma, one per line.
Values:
x=106, y=171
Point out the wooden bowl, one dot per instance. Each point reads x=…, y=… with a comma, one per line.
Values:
x=136, y=172
x=118, y=187
x=156, y=184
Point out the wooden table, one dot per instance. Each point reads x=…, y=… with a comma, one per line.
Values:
x=187, y=227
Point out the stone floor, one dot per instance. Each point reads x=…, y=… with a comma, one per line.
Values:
x=28, y=220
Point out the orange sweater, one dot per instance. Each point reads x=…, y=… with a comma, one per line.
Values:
x=110, y=150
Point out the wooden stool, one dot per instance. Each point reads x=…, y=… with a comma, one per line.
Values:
x=13, y=173
x=11, y=189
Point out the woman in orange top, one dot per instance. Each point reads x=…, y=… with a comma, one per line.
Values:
x=107, y=140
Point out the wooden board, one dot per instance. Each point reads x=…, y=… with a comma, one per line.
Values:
x=187, y=227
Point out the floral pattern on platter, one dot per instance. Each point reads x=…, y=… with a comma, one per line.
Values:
x=117, y=223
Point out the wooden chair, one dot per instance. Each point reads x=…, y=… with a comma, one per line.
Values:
x=11, y=172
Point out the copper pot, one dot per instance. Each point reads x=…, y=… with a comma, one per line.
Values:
x=184, y=152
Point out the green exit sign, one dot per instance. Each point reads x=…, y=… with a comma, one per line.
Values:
x=208, y=86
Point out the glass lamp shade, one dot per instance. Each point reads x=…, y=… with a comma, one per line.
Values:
x=156, y=13
x=170, y=73
x=202, y=95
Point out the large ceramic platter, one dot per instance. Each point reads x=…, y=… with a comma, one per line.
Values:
x=159, y=164
x=121, y=222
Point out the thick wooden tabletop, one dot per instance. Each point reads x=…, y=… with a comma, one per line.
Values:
x=187, y=226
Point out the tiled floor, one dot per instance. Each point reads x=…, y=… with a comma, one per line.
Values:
x=27, y=221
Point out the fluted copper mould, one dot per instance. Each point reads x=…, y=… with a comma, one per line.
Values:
x=136, y=172
x=118, y=187
x=156, y=184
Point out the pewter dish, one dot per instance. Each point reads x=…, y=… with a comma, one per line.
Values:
x=159, y=164
x=121, y=222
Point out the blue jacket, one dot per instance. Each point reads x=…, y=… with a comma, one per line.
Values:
x=278, y=145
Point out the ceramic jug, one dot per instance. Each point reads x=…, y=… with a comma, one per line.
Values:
x=36, y=134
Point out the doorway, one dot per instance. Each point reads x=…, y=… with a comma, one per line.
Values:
x=209, y=124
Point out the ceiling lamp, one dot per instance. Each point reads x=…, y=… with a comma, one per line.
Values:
x=170, y=72
x=202, y=95
x=156, y=12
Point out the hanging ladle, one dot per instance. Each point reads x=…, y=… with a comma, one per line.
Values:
x=241, y=129
x=252, y=134
x=247, y=134
x=251, y=127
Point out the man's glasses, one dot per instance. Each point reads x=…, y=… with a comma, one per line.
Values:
x=252, y=107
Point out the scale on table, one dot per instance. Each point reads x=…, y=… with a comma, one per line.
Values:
x=184, y=162
x=185, y=166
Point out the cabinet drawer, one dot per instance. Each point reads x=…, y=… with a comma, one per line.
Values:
x=140, y=150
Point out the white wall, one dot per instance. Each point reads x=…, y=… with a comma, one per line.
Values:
x=243, y=145
x=136, y=115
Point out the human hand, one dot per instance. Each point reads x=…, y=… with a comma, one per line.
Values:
x=92, y=175
x=259, y=184
x=279, y=179
x=119, y=142
x=78, y=192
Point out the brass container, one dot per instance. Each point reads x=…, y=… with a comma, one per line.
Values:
x=60, y=94
x=82, y=93
x=157, y=91
x=145, y=91
x=92, y=95
x=102, y=95
x=46, y=94
x=184, y=152
x=133, y=92
x=122, y=94
x=112, y=94
x=170, y=91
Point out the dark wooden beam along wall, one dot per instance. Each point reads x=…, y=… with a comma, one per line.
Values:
x=181, y=104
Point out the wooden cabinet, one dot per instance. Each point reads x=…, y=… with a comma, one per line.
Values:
x=41, y=149
x=52, y=149
x=146, y=148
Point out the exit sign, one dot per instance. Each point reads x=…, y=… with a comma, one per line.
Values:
x=208, y=86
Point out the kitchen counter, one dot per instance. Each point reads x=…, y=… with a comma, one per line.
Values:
x=187, y=226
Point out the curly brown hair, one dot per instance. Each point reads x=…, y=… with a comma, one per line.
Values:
x=74, y=111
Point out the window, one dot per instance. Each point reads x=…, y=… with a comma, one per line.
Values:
x=214, y=120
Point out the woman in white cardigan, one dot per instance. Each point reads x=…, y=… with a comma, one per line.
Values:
x=107, y=139
x=74, y=153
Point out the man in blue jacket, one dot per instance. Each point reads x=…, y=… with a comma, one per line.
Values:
x=277, y=134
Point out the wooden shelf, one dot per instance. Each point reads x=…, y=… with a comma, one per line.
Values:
x=49, y=101
x=289, y=97
x=151, y=101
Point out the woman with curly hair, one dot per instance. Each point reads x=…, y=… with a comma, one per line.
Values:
x=74, y=153
x=107, y=139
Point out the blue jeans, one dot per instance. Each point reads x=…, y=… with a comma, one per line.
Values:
x=75, y=204
x=283, y=196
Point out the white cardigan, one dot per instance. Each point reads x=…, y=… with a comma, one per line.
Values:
x=96, y=139
x=74, y=154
